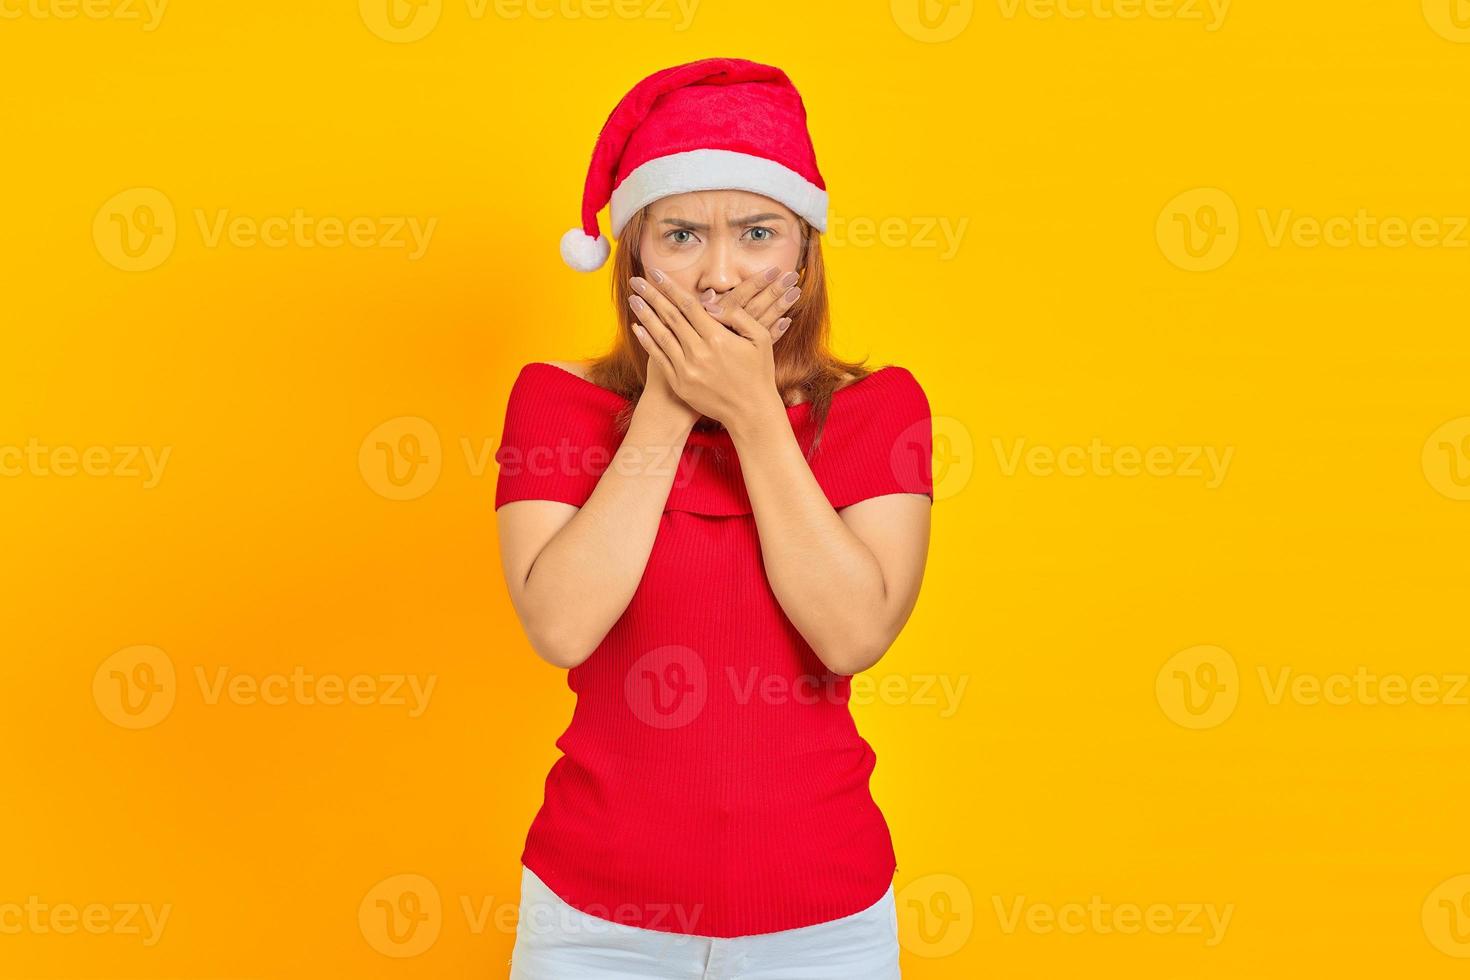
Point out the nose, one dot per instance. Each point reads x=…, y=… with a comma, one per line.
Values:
x=719, y=272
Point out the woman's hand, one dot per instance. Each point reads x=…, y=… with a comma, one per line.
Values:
x=656, y=392
x=766, y=297
x=721, y=368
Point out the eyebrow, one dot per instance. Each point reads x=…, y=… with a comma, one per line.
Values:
x=734, y=223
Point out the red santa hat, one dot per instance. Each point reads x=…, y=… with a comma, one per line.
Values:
x=716, y=124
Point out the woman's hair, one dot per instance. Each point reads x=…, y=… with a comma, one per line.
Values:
x=803, y=363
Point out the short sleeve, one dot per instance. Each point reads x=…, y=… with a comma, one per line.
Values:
x=878, y=441
x=558, y=437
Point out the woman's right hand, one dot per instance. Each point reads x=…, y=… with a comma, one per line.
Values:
x=767, y=296
x=658, y=394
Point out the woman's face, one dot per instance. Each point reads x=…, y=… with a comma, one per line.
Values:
x=717, y=239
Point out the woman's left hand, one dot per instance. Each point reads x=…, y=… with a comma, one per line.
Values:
x=721, y=367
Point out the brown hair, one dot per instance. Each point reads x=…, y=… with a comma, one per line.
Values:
x=804, y=365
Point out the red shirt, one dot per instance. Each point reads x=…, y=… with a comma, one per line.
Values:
x=712, y=781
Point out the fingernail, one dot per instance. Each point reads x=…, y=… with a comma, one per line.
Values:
x=638, y=284
x=782, y=324
x=637, y=303
x=657, y=274
x=772, y=272
x=639, y=332
x=790, y=295
x=707, y=295
x=789, y=279
x=713, y=309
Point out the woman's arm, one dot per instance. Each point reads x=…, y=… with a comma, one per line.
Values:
x=847, y=579
x=848, y=582
x=572, y=571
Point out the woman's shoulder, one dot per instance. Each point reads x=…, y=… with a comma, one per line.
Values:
x=566, y=381
x=879, y=438
x=891, y=384
x=555, y=398
x=577, y=369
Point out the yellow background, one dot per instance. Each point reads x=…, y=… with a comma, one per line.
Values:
x=1067, y=153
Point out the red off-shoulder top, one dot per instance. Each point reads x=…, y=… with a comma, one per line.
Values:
x=712, y=781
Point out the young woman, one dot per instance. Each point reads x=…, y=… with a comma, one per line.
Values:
x=711, y=527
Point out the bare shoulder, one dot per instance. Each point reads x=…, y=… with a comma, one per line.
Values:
x=579, y=368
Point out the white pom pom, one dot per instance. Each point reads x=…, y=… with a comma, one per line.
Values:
x=583, y=252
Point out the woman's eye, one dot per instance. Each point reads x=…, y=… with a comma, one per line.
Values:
x=761, y=234
x=674, y=236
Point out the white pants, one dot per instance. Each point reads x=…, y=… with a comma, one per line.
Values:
x=555, y=941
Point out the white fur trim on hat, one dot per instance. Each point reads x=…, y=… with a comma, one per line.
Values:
x=715, y=170
x=583, y=252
